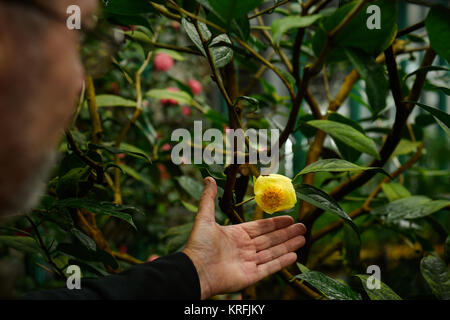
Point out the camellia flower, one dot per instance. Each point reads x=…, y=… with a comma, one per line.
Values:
x=186, y=111
x=274, y=193
x=195, y=86
x=163, y=62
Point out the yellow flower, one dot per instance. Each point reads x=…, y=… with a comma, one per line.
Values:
x=274, y=193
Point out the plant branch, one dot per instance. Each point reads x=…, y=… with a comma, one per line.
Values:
x=259, y=13
x=58, y=270
x=93, y=110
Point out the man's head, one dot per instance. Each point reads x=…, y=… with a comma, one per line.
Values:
x=40, y=80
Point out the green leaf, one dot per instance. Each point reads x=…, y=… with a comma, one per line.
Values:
x=410, y=208
x=281, y=26
x=438, y=29
x=99, y=207
x=125, y=149
x=331, y=288
x=425, y=70
x=231, y=9
x=442, y=118
x=180, y=96
x=347, y=135
x=84, y=239
x=189, y=206
x=133, y=173
x=356, y=34
x=24, y=244
x=394, y=191
x=335, y=165
x=191, y=186
x=110, y=100
x=348, y=153
x=384, y=293
x=373, y=74
x=405, y=147
x=219, y=47
x=437, y=275
x=127, y=7
x=174, y=54
x=323, y=201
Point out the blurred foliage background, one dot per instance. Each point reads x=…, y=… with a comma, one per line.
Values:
x=115, y=198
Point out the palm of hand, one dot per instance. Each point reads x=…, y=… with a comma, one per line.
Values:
x=230, y=258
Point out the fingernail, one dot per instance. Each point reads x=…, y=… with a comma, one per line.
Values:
x=206, y=181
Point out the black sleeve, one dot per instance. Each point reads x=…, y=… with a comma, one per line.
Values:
x=170, y=277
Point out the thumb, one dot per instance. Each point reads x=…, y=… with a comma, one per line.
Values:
x=206, y=207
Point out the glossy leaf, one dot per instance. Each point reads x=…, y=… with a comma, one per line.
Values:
x=384, y=293
x=322, y=200
x=442, y=118
x=99, y=207
x=405, y=147
x=84, y=239
x=331, y=288
x=281, y=26
x=394, y=191
x=191, y=186
x=373, y=74
x=219, y=46
x=110, y=100
x=180, y=96
x=410, y=208
x=24, y=244
x=438, y=29
x=348, y=135
x=335, y=165
x=437, y=275
x=425, y=69
x=356, y=34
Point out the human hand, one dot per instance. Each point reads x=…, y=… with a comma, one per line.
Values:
x=230, y=258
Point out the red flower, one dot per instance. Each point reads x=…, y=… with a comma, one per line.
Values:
x=186, y=111
x=195, y=86
x=166, y=147
x=163, y=62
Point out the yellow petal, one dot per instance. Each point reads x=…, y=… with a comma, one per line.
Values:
x=274, y=193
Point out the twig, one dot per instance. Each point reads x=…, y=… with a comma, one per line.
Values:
x=91, y=163
x=93, y=110
x=299, y=285
x=259, y=13
x=126, y=257
x=410, y=29
x=45, y=249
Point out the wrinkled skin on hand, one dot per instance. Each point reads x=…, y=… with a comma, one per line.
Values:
x=230, y=258
x=40, y=81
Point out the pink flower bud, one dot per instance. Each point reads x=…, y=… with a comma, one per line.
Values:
x=152, y=257
x=166, y=147
x=163, y=62
x=195, y=86
x=186, y=111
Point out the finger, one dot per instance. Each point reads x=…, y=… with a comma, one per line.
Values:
x=276, y=265
x=273, y=238
x=259, y=227
x=206, y=207
x=270, y=254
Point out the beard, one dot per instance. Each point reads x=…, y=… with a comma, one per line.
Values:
x=33, y=188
